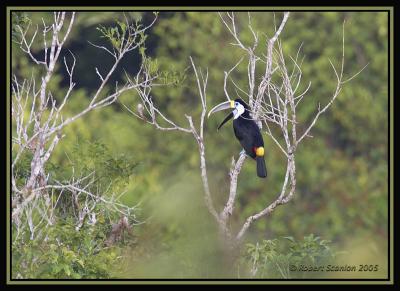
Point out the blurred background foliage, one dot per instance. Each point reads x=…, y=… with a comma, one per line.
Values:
x=342, y=172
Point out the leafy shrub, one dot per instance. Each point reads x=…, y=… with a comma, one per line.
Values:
x=65, y=253
x=287, y=257
x=72, y=247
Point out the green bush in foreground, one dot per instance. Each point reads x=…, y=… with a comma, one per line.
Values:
x=65, y=254
x=287, y=257
x=72, y=247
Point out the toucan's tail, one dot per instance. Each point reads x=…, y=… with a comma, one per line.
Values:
x=261, y=168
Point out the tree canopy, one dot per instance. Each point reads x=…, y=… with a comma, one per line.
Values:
x=342, y=170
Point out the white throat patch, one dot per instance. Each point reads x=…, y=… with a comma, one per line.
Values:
x=239, y=110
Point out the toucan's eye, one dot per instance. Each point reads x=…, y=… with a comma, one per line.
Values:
x=236, y=104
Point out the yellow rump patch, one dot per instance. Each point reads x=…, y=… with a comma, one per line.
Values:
x=260, y=152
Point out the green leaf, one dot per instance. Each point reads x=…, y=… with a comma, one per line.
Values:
x=289, y=238
x=81, y=263
x=67, y=270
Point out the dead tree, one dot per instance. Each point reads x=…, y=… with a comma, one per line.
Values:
x=271, y=102
x=39, y=120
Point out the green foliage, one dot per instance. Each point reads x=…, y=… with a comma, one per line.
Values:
x=165, y=77
x=65, y=253
x=109, y=174
x=116, y=169
x=275, y=258
x=60, y=250
x=342, y=191
x=19, y=21
x=123, y=34
x=23, y=167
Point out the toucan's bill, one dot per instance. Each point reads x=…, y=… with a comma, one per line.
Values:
x=222, y=106
x=229, y=116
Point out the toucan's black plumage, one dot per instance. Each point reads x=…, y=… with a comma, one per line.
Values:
x=246, y=131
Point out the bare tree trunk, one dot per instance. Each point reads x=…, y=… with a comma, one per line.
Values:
x=272, y=104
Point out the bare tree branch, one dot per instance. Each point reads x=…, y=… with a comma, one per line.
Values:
x=234, y=173
x=42, y=131
x=274, y=103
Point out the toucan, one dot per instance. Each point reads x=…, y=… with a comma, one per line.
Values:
x=246, y=131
